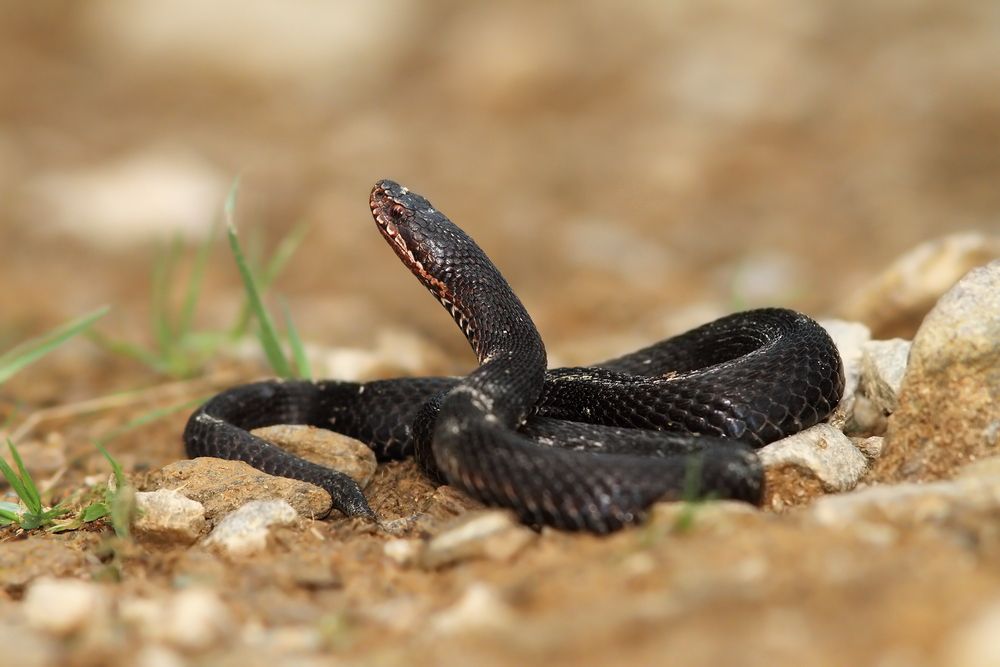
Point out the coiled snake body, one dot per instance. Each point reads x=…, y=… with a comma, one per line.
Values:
x=576, y=448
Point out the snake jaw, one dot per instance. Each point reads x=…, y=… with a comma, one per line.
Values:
x=404, y=218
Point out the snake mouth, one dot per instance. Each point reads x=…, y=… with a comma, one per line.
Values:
x=403, y=218
x=390, y=215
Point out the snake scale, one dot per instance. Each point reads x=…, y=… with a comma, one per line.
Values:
x=585, y=448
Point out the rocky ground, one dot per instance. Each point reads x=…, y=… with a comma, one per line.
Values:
x=633, y=173
x=880, y=527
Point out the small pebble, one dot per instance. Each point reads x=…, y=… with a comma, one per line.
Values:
x=196, y=619
x=824, y=452
x=479, y=608
x=883, y=364
x=168, y=517
x=850, y=338
x=65, y=606
x=403, y=552
x=244, y=532
x=870, y=447
x=491, y=534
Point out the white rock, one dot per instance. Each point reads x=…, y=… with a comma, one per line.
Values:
x=403, y=552
x=167, y=516
x=865, y=418
x=65, y=606
x=883, y=364
x=245, y=531
x=870, y=447
x=492, y=534
x=849, y=337
x=196, y=619
x=823, y=450
x=479, y=608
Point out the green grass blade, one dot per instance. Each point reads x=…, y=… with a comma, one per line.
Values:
x=23, y=486
x=267, y=333
x=33, y=499
x=286, y=248
x=32, y=350
x=295, y=342
x=9, y=513
x=11, y=477
x=115, y=466
x=122, y=510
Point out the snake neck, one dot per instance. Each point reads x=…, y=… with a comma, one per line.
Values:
x=511, y=355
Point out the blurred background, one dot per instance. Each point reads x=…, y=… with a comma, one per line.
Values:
x=633, y=168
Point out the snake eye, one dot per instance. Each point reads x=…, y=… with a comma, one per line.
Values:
x=397, y=211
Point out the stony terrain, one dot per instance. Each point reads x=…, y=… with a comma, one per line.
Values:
x=633, y=173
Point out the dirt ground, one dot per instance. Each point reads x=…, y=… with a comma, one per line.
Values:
x=633, y=170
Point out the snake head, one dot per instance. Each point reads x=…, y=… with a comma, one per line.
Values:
x=423, y=237
x=449, y=264
x=397, y=211
x=427, y=242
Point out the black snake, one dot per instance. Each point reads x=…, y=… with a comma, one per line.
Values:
x=577, y=448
